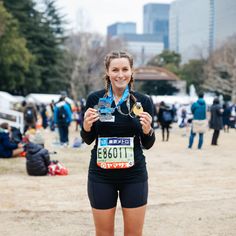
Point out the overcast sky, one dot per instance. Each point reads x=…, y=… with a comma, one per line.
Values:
x=98, y=14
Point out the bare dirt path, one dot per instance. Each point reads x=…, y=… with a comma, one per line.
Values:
x=191, y=192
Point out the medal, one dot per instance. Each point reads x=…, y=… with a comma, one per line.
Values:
x=104, y=109
x=137, y=108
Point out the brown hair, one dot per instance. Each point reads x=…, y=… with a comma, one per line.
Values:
x=114, y=55
x=4, y=125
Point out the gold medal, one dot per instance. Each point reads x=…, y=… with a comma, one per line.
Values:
x=137, y=108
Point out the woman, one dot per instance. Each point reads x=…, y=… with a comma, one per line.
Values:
x=120, y=120
x=7, y=147
x=216, y=121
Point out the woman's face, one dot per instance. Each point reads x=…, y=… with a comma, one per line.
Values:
x=119, y=73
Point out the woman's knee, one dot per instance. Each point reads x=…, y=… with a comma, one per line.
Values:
x=105, y=231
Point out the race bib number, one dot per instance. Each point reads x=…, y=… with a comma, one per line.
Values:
x=115, y=153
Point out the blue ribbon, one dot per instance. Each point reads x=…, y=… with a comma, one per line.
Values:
x=123, y=98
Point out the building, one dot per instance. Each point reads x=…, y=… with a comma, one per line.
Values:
x=224, y=20
x=156, y=20
x=199, y=26
x=143, y=46
x=154, y=73
x=121, y=28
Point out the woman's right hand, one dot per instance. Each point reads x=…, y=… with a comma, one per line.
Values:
x=90, y=116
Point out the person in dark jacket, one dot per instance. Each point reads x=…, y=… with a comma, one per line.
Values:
x=30, y=116
x=43, y=113
x=198, y=109
x=37, y=160
x=216, y=121
x=226, y=117
x=7, y=147
x=165, y=118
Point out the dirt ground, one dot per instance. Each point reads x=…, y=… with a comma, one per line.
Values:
x=191, y=192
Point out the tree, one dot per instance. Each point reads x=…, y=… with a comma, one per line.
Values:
x=85, y=60
x=28, y=20
x=158, y=88
x=166, y=58
x=220, y=70
x=193, y=73
x=42, y=31
x=85, y=57
x=51, y=56
x=169, y=60
x=15, y=58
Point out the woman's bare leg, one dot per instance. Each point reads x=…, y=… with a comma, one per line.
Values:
x=104, y=221
x=133, y=220
x=17, y=151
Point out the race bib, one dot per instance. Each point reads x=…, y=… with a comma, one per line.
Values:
x=115, y=153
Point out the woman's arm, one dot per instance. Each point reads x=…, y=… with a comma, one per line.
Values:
x=88, y=133
x=146, y=120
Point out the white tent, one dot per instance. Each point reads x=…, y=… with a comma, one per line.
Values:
x=7, y=100
x=181, y=99
x=40, y=98
x=19, y=98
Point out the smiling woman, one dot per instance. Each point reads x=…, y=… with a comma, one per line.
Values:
x=120, y=75
x=120, y=121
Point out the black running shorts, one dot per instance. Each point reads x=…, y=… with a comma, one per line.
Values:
x=105, y=195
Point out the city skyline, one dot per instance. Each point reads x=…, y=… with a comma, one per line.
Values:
x=96, y=18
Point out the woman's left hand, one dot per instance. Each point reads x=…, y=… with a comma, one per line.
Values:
x=146, y=121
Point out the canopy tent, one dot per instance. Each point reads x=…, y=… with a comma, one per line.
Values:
x=7, y=100
x=181, y=100
x=40, y=98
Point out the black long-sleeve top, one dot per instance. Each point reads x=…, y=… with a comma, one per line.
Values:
x=123, y=126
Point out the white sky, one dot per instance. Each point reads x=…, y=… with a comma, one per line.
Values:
x=98, y=14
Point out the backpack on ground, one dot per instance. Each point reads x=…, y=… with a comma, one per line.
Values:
x=167, y=117
x=62, y=114
x=57, y=168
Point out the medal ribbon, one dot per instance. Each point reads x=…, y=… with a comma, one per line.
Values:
x=125, y=95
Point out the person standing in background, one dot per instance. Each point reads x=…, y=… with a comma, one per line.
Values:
x=165, y=118
x=43, y=113
x=30, y=116
x=198, y=110
x=226, y=116
x=216, y=121
x=62, y=119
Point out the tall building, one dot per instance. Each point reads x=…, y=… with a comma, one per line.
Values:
x=224, y=20
x=199, y=26
x=142, y=46
x=121, y=28
x=156, y=20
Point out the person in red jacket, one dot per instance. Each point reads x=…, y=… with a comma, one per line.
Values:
x=7, y=147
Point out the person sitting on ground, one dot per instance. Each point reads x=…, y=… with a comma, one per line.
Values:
x=8, y=148
x=37, y=159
